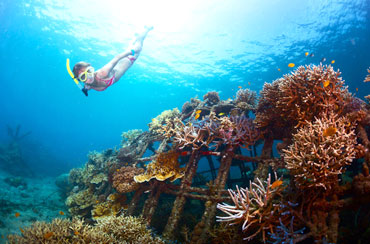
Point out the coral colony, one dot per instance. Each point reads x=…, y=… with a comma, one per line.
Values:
x=310, y=192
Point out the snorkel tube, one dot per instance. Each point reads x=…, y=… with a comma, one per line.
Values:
x=74, y=79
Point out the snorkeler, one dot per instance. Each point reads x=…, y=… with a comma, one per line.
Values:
x=110, y=73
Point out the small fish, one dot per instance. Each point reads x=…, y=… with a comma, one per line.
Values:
x=249, y=83
x=47, y=235
x=117, y=170
x=278, y=69
x=197, y=116
x=326, y=83
x=312, y=55
x=147, y=191
x=356, y=89
x=306, y=54
x=349, y=124
x=190, y=124
x=276, y=184
x=96, y=201
x=198, y=111
x=17, y=214
x=61, y=212
x=185, y=153
x=126, y=164
x=240, y=87
x=76, y=232
x=333, y=61
x=22, y=230
x=323, y=59
x=220, y=114
x=291, y=65
x=153, y=120
x=329, y=131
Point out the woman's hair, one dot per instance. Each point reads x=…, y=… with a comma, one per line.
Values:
x=78, y=67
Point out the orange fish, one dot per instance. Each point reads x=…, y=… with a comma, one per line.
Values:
x=276, y=184
x=306, y=54
x=22, y=230
x=356, y=89
x=326, y=83
x=291, y=65
x=197, y=116
x=76, y=232
x=240, y=87
x=330, y=131
x=17, y=214
x=61, y=212
x=47, y=235
x=278, y=69
x=333, y=61
x=198, y=111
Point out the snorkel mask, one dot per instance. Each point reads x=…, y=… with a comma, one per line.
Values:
x=88, y=73
x=76, y=80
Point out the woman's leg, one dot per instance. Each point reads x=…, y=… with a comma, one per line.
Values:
x=137, y=44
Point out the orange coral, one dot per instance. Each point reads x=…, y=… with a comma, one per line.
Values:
x=123, y=179
x=367, y=78
x=316, y=159
x=300, y=96
x=165, y=166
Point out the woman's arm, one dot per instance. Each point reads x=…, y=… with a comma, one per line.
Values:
x=106, y=69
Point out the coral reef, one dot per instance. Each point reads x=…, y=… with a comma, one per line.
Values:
x=123, y=179
x=165, y=166
x=367, y=78
x=122, y=229
x=319, y=129
x=254, y=208
x=160, y=120
x=316, y=159
x=300, y=96
x=129, y=137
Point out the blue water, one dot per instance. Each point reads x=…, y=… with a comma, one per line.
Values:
x=195, y=47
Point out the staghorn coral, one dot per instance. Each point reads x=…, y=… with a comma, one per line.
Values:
x=300, y=96
x=122, y=229
x=123, y=179
x=165, y=166
x=157, y=123
x=254, y=207
x=315, y=159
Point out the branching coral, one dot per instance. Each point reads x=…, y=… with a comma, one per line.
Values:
x=123, y=179
x=254, y=207
x=246, y=99
x=367, y=78
x=157, y=123
x=122, y=229
x=317, y=157
x=165, y=166
x=212, y=98
x=300, y=96
x=234, y=130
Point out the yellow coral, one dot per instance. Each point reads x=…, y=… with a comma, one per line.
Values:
x=156, y=124
x=165, y=166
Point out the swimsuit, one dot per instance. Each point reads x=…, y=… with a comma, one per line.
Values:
x=108, y=82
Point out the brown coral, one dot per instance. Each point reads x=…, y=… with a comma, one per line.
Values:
x=300, y=96
x=165, y=166
x=123, y=179
x=317, y=157
x=211, y=98
x=367, y=78
x=122, y=229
